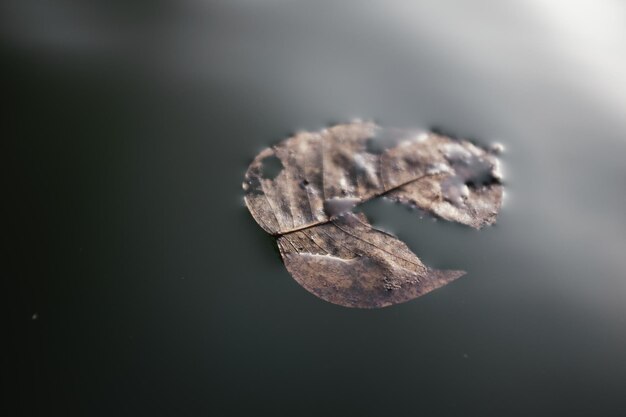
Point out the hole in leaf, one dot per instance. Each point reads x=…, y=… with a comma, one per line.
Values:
x=271, y=167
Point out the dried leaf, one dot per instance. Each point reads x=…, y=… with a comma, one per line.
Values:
x=302, y=190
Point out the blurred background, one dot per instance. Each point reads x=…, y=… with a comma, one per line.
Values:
x=136, y=283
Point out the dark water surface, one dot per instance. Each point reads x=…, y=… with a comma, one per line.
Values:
x=144, y=287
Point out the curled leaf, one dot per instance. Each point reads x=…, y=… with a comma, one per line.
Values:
x=302, y=191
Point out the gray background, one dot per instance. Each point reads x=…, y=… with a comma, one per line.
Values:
x=138, y=284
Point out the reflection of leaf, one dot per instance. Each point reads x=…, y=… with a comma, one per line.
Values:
x=302, y=190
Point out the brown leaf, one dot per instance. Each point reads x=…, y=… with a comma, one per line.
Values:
x=302, y=190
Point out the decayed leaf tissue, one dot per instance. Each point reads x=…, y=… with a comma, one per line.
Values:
x=303, y=189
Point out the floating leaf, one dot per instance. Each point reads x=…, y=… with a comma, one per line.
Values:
x=303, y=189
